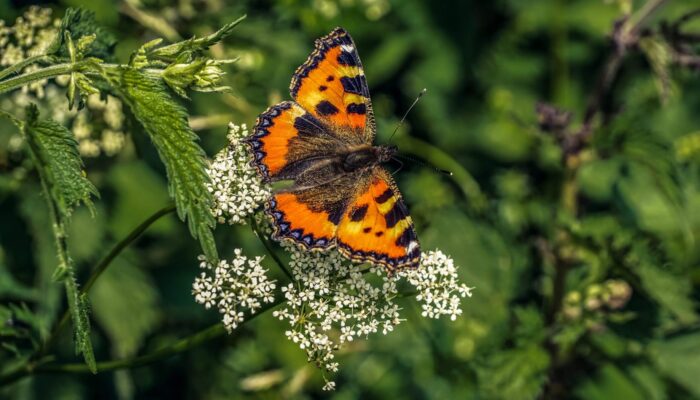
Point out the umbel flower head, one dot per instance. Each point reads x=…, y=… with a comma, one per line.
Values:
x=99, y=129
x=234, y=287
x=234, y=184
x=330, y=301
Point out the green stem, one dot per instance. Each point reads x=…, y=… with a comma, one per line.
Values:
x=442, y=160
x=119, y=247
x=178, y=347
x=21, y=65
x=101, y=267
x=44, y=73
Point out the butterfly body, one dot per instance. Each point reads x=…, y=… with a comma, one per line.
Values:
x=322, y=142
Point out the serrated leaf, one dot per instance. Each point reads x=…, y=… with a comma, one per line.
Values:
x=515, y=374
x=81, y=23
x=659, y=54
x=670, y=291
x=166, y=123
x=19, y=329
x=609, y=383
x=678, y=359
x=79, y=309
x=57, y=156
x=194, y=46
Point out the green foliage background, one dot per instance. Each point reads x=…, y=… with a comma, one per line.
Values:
x=538, y=255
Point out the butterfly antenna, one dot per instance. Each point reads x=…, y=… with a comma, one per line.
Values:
x=419, y=162
x=422, y=92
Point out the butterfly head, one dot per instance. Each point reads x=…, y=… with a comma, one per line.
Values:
x=385, y=153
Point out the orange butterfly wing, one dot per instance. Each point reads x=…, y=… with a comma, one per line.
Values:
x=361, y=211
x=331, y=85
x=376, y=226
x=310, y=216
x=284, y=136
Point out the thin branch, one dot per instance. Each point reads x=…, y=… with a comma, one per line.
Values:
x=626, y=36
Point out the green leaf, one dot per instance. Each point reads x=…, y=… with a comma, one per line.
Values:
x=515, y=374
x=185, y=163
x=678, y=359
x=129, y=320
x=79, y=309
x=670, y=291
x=194, y=46
x=80, y=23
x=19, y=329
x=57, y=156
x=10, y=287
x=609, y=383
x=660, y=56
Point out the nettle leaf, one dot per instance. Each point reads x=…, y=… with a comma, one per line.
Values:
x=192, y=47
x=19, y=329
x=518, y=373
x=660, y=56
x=609, y=382
x=185, y=163
x=54, y=151
x=668, y=290
x=80, y=310
x=58, y=157
x=678, y=359
x=81, y=23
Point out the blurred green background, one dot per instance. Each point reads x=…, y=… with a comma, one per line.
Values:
x=587, y=273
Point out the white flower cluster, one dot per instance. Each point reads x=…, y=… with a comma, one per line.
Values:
x=98, y=128
x=438, y=285
x=333, y=301
x=330, y=301
x=235, y=185
x=234, y=287
x=31, y=35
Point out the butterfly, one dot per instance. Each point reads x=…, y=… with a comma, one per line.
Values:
x=322, y=141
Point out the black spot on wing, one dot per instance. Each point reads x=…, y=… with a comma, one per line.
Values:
x=330, y=78
x=367, y=230
x=347, y=58
x=322, y=88
x=335, y=215
x=353, y=108
x=358, y=213
x=355, y=85
x=325, y=107
x=378, y=234
x=396, y=214
x=384, y=197
x=407, y=236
